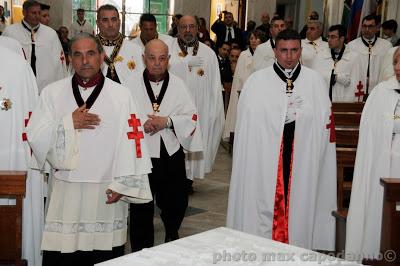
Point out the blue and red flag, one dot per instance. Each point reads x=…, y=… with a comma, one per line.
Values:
x=354, y=19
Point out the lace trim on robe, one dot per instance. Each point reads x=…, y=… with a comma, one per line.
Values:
x=73, y=228
x=60, y=143
x=132, y=181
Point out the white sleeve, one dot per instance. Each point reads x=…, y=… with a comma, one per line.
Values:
x=52, y=139
x=135, y=188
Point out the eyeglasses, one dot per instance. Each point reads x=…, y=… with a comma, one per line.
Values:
x=190, y=27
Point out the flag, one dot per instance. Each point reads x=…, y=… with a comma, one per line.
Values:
x=354, y=19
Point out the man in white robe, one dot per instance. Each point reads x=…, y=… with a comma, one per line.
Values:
x=122, y=57
x=197, y=65
x=372, y=50
x=148, y=32
x=87, y=128
x=264, y=56
x=18, y=97
x=283, y=183
x=336, y=64
x=377, y=156
x=41, y=45
x=171, y=120
x=313, y=44
x=80, y=25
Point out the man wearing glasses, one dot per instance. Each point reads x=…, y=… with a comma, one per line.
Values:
x=197, y=65
x=336, y=65
x=372, y=50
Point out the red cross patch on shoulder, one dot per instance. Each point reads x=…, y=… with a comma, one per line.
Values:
x=136, y=135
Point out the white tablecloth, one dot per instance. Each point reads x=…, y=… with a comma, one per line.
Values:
x=223, y=246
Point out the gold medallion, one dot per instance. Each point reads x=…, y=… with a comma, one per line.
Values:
x=6, y=104
x=131, y=65
x=200, y=72
x=156, y=107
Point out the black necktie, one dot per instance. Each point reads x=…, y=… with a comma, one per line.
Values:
x=33, y=53
x=369, y=44
x=229, y=34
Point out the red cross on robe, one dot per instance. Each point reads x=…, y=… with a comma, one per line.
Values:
x=136, y=134
x=26, y=121
x=360, y=93
x=62, y=57
x=331, y=127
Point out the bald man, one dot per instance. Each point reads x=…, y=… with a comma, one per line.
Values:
x=171, y=121
x=197, y=65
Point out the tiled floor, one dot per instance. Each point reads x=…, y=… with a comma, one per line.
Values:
x=209, y=201
x=211, y=196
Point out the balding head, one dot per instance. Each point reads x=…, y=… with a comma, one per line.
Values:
x=156, y=44
x=156, y=58
x=187, y=29
x=188, y=20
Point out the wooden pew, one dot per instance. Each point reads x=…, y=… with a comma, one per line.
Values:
x=347, y=121
x=12, y=185
x=390, y=240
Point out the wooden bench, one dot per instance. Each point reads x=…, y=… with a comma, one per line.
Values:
x=390, y=240
x=12, y=185
x=347, y=121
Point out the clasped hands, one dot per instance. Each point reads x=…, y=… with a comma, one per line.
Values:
x=154, y=124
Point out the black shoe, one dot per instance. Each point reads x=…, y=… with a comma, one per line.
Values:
x=190, y=190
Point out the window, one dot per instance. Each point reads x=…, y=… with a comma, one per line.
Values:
x=130, y=11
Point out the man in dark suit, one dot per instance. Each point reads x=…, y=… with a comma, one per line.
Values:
x=226, y=31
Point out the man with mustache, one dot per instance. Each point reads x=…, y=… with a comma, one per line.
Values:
x=197, y=65
x=87, y=128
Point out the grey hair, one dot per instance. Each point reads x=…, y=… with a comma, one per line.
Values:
x=84, y=35
x=396, y=52
x=29, y=3
x=317, y=22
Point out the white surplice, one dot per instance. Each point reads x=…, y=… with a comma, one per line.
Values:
x=18, y=85
x=264, y=56
x=262, y=109
x=378, y=52
x=243, y=70
x=50, y=59
x=87, y=162
x=310, y=51
x=201, y=75
x=378, y=156
x=178, y=105
x=343, y=90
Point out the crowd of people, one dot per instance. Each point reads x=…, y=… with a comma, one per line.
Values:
x=112, y=126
